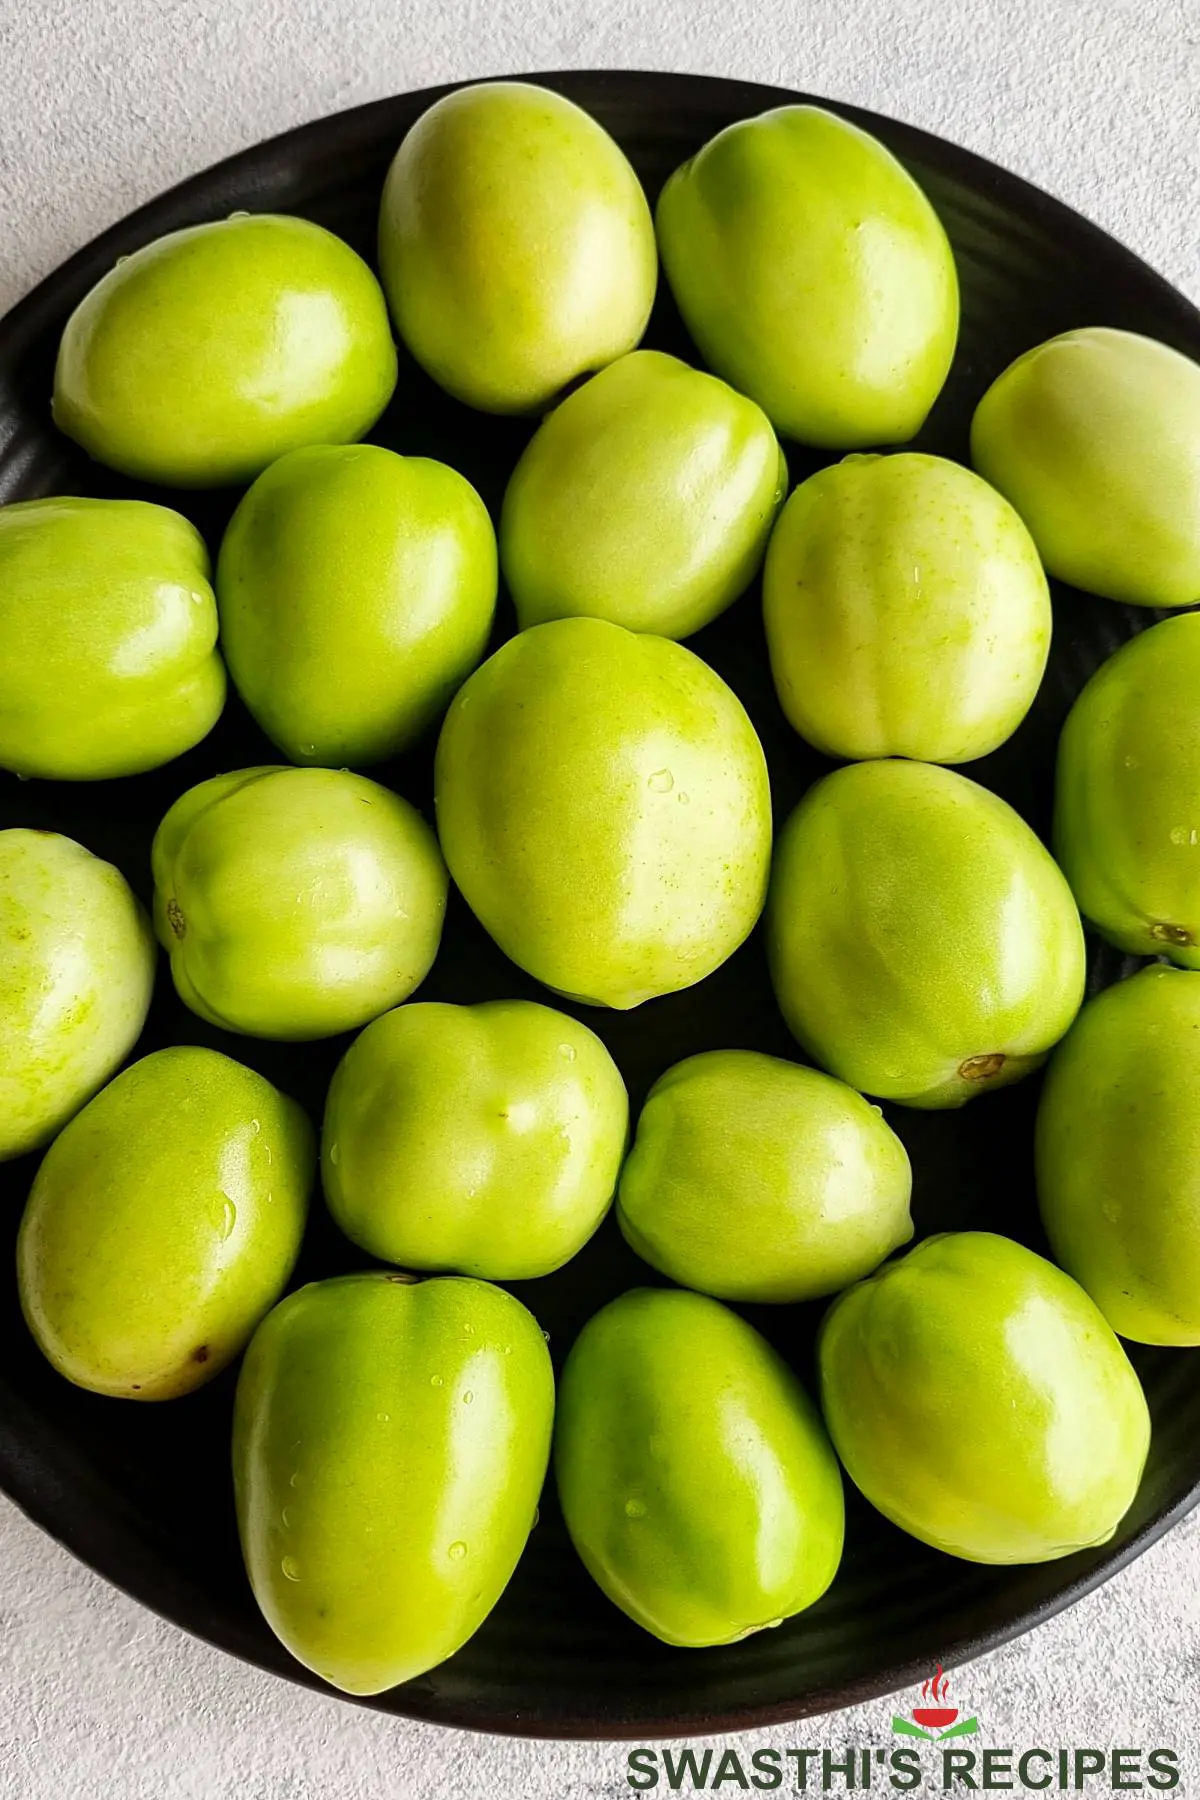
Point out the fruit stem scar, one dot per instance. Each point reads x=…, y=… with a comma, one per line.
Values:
x=1172, y=934
x=981, y=1068
x=175, y=918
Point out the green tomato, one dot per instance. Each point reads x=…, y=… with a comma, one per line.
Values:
x=76, y=974
x=1127, y=799
x=1118, y=1155
x=646, y=498
x=603, y=804
x=694, y=1476
x=979, y=1400
x=923, y=945
x=485, y=1139
x=755, y=1179
x=907, y=613
x=296, y=903
x=163, y=1224
x=407, y=548
x=108, y=631
x=389, y=1445
x=1095, y=438
x=515, y=244
x=814, y=275
x=211, y=351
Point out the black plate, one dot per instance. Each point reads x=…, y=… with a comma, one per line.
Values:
x=143, y=1493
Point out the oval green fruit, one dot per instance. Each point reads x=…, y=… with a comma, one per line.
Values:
x=389, y=1445
x=645, y=498
x=356, y=590
x=1095, y=438
x=108, y=631
x=296, y=903
x=923, y=945
x=1127, y=795
x=163, y=1223
x=694, y=1476
x=907, y=613
x=516, y=245
x=211, y=351
x=484, y=1139
x=603, y=805
x=755, y=1179
x=1118, y=1155
x=76, y=974
x=978, y=1399
x=814, y=275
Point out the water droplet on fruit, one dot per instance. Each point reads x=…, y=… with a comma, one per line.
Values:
x=285, y=1518
x=683, y=800
x=546, y=1336
x=291, y=1568
x=508, y=1349
x=468, y=1327
x=335, y=1154
x=255, y=1126
x=458, y=1551
x=239, y=215
x=772, y=1624
x=384, y=1418
x=435, y=1381
x=120, y=260
x=1131, y=762
x=635, y=1509
x=468, y=1397
x=537, y=1514
x=294, y=1478
x=661, y=782
x=567, y=1051
x=228, y=1218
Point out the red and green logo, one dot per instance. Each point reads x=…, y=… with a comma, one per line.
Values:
x=933, y=1719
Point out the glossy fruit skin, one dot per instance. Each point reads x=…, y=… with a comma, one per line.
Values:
x=389, y=1445
x=603, y=804
x=645, y=498
x=296, y=903
x=515, y=244
x=356, y=590
x=210, y=352
x=484, y=1139
x=1095, y=438
x=1118, y=1155
x=814, y=276
x=108, y=631
x=76, y=974
x=755, y=1179
x=979, y=1400
x=1126, y=812
x=694, y=1476
x=163, y=1224
x=923, y=945
x=907, y=613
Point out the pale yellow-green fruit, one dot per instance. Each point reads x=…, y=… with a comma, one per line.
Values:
x=163, y=1223
x=515, y=244
x=907, y=613
x=76, y=972
x=603, y=804
x=484, y=1139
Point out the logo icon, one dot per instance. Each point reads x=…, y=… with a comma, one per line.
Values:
x=933, y=1719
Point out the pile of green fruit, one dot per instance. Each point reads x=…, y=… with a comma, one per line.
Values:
x=603, y=807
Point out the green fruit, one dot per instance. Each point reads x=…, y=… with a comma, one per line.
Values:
x=979, y=1401
x=1118, y=1155
x=211, y=351
x=515, y=244
x=923, y=945
x=296, y=903
x=1127, y=799
x=907, y=613
x=814, y=275
x=603, y=804
x=755, y=1179
x=694, y=1476
x=485, y=1139
x=405, y=548
x=389, y=1445
x=1095, y=438
x=646, y=498
x=163, y=1223
x=76, y=973
x=108, y=631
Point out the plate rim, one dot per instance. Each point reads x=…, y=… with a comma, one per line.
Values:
x=43, y=1501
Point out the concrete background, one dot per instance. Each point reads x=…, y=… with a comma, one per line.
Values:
x=105, y=102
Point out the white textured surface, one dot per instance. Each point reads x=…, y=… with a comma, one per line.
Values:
x=105, y=102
